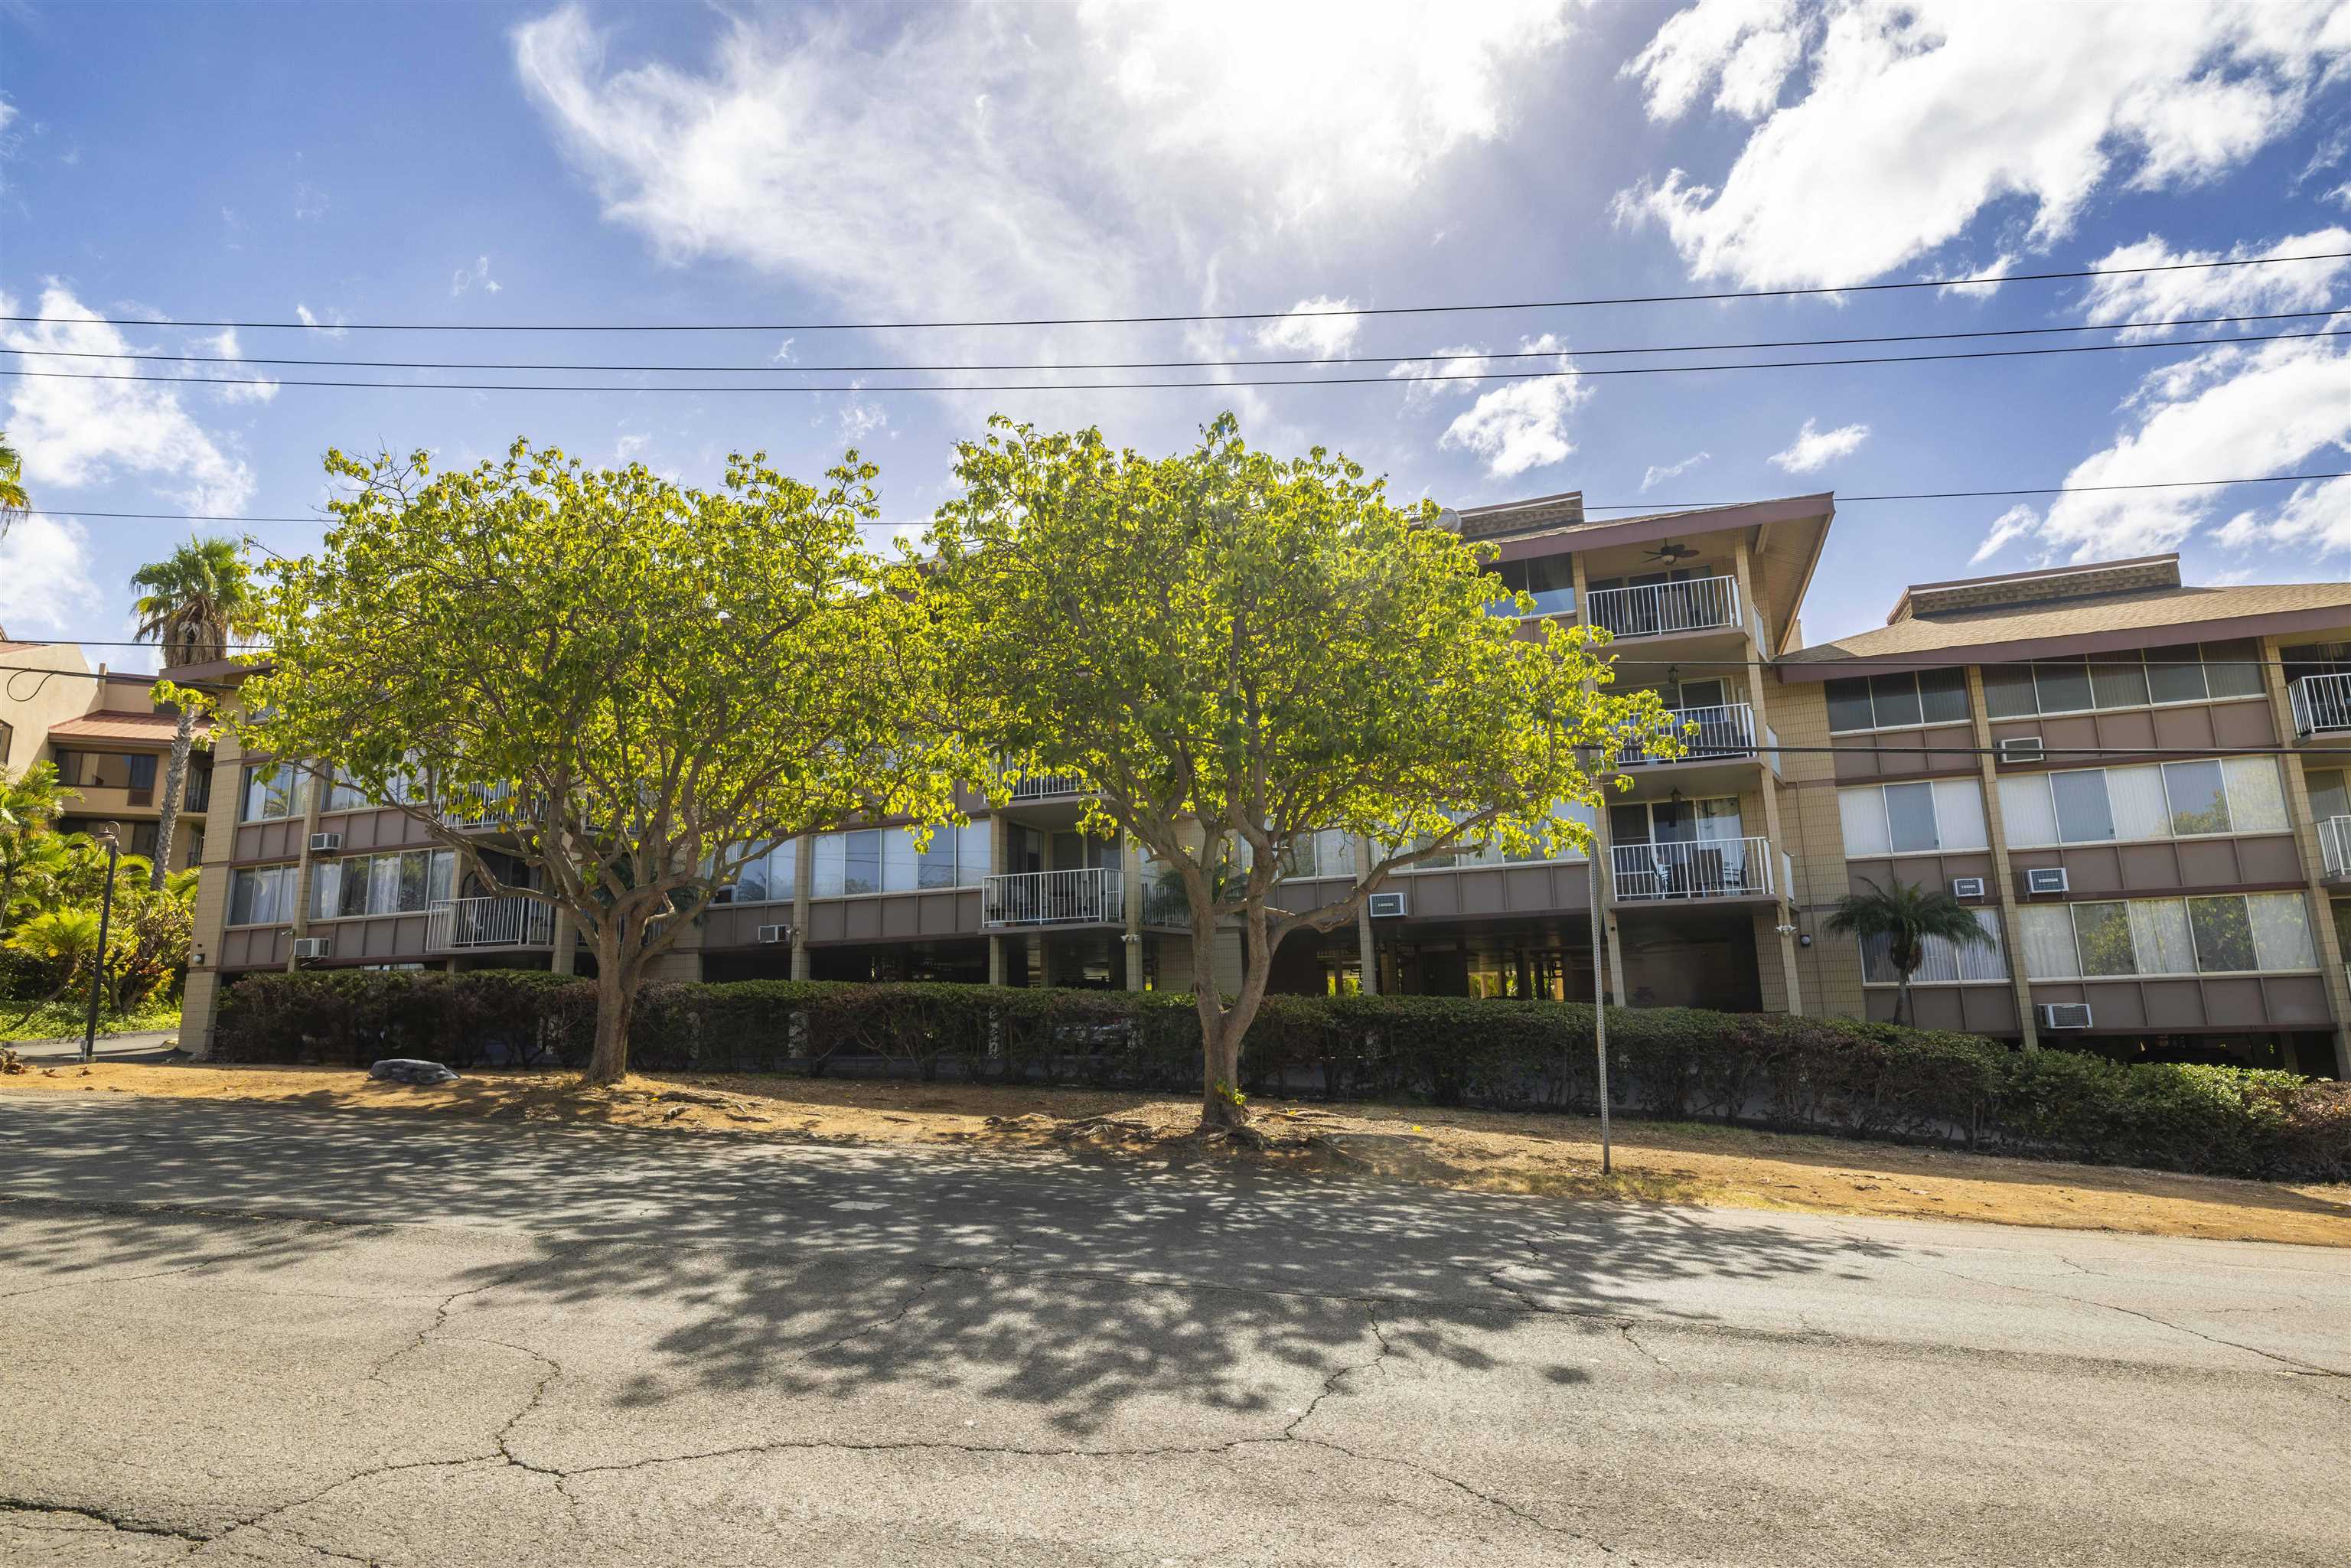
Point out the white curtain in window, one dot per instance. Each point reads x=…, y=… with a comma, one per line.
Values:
x=2159, y=936
x=1980, y=963
x=2048, y=930
x=2025, y=809
x=2256, y=797
x=2281, y=931
x=1939, y=962
x=1864, y=811
x=2140, y=809
x=1959, y=814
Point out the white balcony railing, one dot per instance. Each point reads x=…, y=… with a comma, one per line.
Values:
x=1094, y=896
x=1707, y=868
x=452, y=925
x=2322, y=704
x=1695, y=604
x=1725, y=729
x=1044, y=786
x=2334, y=845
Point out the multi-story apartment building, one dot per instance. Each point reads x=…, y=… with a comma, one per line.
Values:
x=110, y=739
x=2163, y=748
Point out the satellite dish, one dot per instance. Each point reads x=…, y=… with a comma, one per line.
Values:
x=1449, y=518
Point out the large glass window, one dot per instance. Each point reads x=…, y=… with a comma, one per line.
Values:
x=1942, y=961
x=2228, y=933
x=2223, y=931
x=1912, y=819
x=1881, y=702
x=2102, y=932
x=2199, y=802
x=396, y=884
x=261, y=895
x=2174, y=799
x=2084, y=815
x=2185, y=673
x=878, y=859
x=273, y=790
x=107, y=769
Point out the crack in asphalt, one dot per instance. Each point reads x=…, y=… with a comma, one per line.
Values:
x=441, y=1318
x=128, y=1524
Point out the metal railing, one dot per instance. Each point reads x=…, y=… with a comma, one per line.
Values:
x=1655, y=609
x=512, y=921
x=1725, y=729
x=1042, y=786
x=2320, y=704
x=1705, y=868
x=2334, y=845
x=1093, y=896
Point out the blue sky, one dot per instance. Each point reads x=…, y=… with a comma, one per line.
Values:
x=490, y=165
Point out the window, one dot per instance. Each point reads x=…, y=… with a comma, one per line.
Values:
x=861, y=861
x=1329, y=853
x=1881, y=702
x=875, y=859
x=2189, y=672
x=8, y=742
x=2173, y=800
x=2230, y=933
x=2328, y=795
x=261, y=895
x=1912, y=819
x=765, y=878
x=107, y=769
x=273, y=790
x=1491, y=852
x=398, y=883
x=1942, y=961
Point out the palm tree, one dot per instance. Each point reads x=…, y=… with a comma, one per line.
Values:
x=14, y=502
x=193, y=603
x=1903, y=916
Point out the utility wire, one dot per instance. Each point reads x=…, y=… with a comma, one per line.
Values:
x=1660, y=506
x=1350, y=310
x=1389, y=378
x=1427, y=359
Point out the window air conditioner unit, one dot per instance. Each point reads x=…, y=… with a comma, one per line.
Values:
x=326, y=844
x=2022, y=749
x=1967, y=887
x=2045, y=879
x=1386, y=905
x=2064, y=1015
x=314, y=947
x=775, y=933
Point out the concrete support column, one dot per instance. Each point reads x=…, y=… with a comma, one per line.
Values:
x=1130, y=869
x=803, y=880
x=2314, y=859
x=1757, y=702
x=315, y=800
x=2003, y=877
x=1368, y=948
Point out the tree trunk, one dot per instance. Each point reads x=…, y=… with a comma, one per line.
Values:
x=616, y=1002
x=1223, y=1028
x=1902, y=1001
x=175, y=778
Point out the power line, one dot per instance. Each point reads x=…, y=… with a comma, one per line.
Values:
x=1040, y=366
x=1979, y=280
x=1389, y=378
x=1660, y=506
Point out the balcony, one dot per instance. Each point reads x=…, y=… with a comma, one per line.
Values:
x=1093, y=896
x=2334, y=846
x=1709, y=868
x=1047, y=786
x=1658, y=609
x=2322, y=705
x=1548, y=601
x=1726, y=729
x=463, y=924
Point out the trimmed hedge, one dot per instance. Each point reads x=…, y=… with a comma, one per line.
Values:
x=1828, y=1075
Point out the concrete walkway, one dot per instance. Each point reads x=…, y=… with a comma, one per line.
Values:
x=249, y=1334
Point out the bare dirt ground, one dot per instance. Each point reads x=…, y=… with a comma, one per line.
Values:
x=1471, y=1150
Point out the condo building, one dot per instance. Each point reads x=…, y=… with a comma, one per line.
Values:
x=2137, y=784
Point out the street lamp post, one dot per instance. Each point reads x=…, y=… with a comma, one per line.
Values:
x=1589, y=759
x=112, y=833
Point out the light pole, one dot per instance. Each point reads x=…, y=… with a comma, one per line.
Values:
x=1588, y=758
x=112, y=833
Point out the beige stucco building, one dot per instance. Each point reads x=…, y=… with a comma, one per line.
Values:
x=110, y=739
x=2133, y=781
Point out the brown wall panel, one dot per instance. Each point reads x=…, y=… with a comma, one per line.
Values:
x=2235, y=1004
x=1988, y=1009
x=2189, y=727
x=2269, y=860
x=2174, y=1004
x=2244, y=723
x=2294, y=999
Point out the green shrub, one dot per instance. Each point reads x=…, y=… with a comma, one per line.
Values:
x=1828, y=1075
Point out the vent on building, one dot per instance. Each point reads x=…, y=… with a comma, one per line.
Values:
x=2045, y=879
x=1967, y=887
x=326, y=844
x=775, y=933
x=2022, y=749
x=1386, y=905
x=314, y=947
x=2064, y=1015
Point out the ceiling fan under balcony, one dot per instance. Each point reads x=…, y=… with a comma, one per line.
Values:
x=1670, y=551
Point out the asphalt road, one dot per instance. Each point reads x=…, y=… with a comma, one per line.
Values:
x=247, y=1335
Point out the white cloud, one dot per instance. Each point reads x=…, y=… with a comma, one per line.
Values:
x=2230, y=411
x=2001, y=266
x=2340, y=195
x=77, y=433
x=245, y=387
x=332, y=327
x=1815, y=448
x=862, y=417
x=1659, y=472
x=1522, y=425
x=2316, y=519
x=1457, y=362
x=2012, y=525
x=310, y=201
x=474, y=277
x=1310, y=329
x=44, y=574
x=1916, y=117
x=2215, y=291
x=783, y=354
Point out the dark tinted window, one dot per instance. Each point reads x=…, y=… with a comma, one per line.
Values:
x=2008, y=691
x=1943, y=695
x=1894, y=699
x=1849, y=705
x=2233, y=669
x=2062, y=687
x=2173, y=675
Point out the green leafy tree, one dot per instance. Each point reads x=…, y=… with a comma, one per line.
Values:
x=192, y=603
x=1903, y=916
x=32, y=851
x=637, y=685
x=1236, y=652
x=14, y=502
